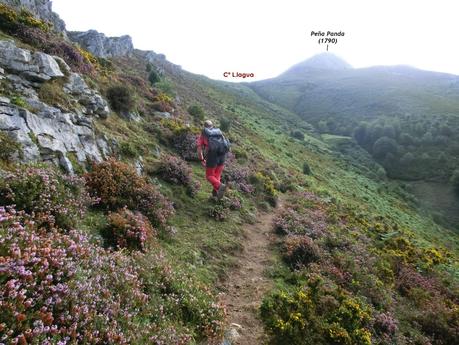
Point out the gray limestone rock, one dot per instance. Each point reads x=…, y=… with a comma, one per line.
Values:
x=47, y=65
x=91, y=99
x=15, y=59
x=100, y=45
x=12, y=122
x=38, y=67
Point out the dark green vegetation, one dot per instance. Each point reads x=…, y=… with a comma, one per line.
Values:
x=359, y=263
x=406, y=119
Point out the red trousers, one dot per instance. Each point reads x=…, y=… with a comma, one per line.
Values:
x=213, y=175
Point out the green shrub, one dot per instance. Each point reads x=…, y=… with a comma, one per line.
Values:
x=128, y=149
x=153, y=77
x=196, y=111
x=306, y=169
x=297, y=135
x=240, y=153
x=121, y=99
x=166, y=87
x=225, y=124
x=8, y=147
x=19, y=101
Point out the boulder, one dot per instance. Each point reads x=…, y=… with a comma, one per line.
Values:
x=92, y=101
x=63, y=65
x=15, y=59
x=47, y=65
x=163, y=115
x=39, y=67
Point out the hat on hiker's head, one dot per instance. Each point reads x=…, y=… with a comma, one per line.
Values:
x=208, y=124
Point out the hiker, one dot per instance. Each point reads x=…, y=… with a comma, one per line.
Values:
x=216, y=146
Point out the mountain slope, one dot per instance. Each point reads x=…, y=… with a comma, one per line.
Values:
x=143, y=259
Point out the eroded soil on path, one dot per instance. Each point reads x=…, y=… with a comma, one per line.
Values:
x=247, y=283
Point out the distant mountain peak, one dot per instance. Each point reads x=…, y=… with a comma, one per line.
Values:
x=322, y=61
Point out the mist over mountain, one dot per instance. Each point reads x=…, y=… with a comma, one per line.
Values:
x=317, y=63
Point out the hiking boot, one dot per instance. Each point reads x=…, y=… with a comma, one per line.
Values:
x=214, y=193
x=221, y=191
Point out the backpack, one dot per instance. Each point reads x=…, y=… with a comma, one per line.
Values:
x=217, y=142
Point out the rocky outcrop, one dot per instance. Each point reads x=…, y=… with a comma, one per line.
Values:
x=48, y=133
x=92, y=101
x=31, y=66
x=41, y=9
x=100, y=45
x=160, y=62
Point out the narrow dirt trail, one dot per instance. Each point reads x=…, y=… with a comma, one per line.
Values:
x=247, y=283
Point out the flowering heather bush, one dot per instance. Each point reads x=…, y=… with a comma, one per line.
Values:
x=175, y=170
x=129, y=229
x=117, y=185
x=233, y=202
x=52, y=198
x=238, y=177
x=385, y=324
x=300, y=251
x=53, y=45
x=185, y=145
x=59, y=287
x=409, y=281
x=181, y=137
x=440, y=320
x=310, y=222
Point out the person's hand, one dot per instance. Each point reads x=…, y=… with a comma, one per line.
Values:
x=203, y=162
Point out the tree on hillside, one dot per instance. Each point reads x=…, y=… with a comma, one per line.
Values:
x=376, y=132
x=455, y=180
x=360, y=134
x=406, y=139
x=322, y=126
x=407, y=158
x=389, y=131
x=427, y=138
x=383, y=146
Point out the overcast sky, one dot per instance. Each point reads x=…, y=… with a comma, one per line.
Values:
x=266, y=37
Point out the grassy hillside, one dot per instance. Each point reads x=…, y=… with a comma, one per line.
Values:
x=112, y=257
